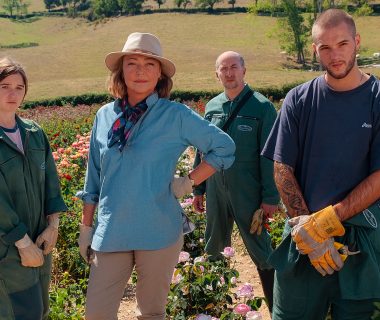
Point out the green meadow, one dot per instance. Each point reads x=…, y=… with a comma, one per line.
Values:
x=69, y=58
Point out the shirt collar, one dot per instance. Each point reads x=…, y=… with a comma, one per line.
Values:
x=150, y=101
x=240, y=95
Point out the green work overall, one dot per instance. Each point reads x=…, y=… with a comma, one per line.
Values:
x=235, y=194
x=300, y=292
x=29, y=190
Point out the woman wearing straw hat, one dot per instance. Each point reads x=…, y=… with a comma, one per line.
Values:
x=135, y=145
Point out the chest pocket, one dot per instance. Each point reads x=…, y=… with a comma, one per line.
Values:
x=37, y=160
x=11, y=167
x=245, y=131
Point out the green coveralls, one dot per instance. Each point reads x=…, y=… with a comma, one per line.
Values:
x=29, y=190
x=352, y=290
x=235, y=194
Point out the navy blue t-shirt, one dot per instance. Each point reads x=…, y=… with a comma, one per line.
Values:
x=330, y=138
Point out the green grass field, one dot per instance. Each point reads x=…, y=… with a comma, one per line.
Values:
x=70, y=57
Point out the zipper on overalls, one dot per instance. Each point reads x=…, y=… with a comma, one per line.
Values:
x=222, y=170
x=27, y=137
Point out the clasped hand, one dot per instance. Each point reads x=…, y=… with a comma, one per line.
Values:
x=313, y=235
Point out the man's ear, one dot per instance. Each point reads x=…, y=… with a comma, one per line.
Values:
x=216, y=74
x=357, y=42
x=314, y=48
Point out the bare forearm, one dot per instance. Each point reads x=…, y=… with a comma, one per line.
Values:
x=201, y=172
x=289, y=190
x=360, y=198
x=88, y=214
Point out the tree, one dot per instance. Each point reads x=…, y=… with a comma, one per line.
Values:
x=15, y=7
x=232, y=3
x=183, y=3
x=106, y=8
x=207, y=3
x=131, y=6
x=295, y=33
x=49, y=4
x=160, y=2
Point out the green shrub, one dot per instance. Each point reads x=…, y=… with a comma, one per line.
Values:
x=364, y=10
x=19, y=45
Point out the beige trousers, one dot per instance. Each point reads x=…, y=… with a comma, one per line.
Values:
x=110, y=272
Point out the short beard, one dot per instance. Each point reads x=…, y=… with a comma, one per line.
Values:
x=350, y=65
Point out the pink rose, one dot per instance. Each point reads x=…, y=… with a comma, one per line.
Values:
x=246, y=291
x=183, y=256
x=242, y=309
x=228, y=252
x=253, y=315
x=199, y=259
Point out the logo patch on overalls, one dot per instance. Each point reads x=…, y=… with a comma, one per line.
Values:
x=371, y=219
x=43, y=166
x=244, y=127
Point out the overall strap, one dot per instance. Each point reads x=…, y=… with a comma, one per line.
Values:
x=237, y=109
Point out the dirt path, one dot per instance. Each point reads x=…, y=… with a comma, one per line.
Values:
x=244, y=265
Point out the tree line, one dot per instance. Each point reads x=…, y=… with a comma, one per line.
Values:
x=293, y=29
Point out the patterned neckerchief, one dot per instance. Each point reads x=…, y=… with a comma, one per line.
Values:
x=122, y=126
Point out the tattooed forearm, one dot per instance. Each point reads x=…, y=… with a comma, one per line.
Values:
x=360, y=198
x=289, y=190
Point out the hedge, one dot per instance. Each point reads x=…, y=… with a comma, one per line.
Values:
x=274, y=94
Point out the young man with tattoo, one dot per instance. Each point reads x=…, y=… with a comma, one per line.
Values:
x=326, y=148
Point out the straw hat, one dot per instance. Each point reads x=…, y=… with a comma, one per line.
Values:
x=144, y=44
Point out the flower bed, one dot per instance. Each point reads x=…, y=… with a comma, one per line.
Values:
x=201, y=289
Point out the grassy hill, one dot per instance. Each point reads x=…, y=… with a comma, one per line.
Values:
x=69, y=57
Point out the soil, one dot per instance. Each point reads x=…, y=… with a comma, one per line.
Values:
x=244, y=265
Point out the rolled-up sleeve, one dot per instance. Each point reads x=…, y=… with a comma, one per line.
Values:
x=216, y=146
x=91, y=190
x=53, y=197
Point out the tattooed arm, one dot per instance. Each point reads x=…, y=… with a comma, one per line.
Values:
x=289, y=190
x=361, y=197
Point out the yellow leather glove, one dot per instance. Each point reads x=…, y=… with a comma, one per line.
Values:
x=48, y=238
x=257, y=222
x=308, y=231
x=31, y=255
x=325, y=258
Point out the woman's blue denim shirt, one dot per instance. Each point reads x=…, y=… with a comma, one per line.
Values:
x=136, y=207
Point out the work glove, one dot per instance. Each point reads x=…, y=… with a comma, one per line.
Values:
x=308, y=231
x=31, y=255
x=257, y=222
x=181, y=186
x=48, y=238
x=84, y=242
x=325, y=258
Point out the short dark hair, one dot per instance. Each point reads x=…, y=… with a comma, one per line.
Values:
x=117, y=87
x=332, y=18
x=9, y=67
